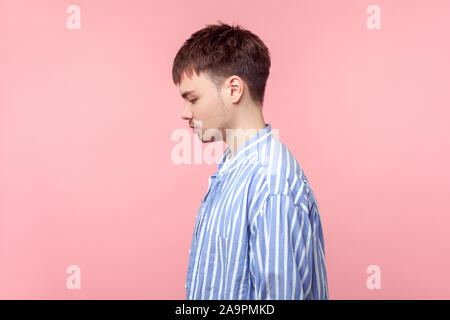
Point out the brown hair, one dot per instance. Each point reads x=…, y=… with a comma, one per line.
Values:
x=222, y=51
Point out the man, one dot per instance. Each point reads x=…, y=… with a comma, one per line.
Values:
x=258, y=233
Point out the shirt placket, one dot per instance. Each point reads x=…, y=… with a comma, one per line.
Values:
x=207, y=201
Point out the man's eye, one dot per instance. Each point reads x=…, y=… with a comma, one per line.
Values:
x=192, y=101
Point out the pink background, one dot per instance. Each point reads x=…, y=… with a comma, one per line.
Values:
x=86, y=119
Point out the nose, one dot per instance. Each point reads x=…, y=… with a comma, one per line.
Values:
x=187, y=112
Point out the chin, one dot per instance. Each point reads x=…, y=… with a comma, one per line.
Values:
x=212, y=139
x=206, y=139
x=211, y=136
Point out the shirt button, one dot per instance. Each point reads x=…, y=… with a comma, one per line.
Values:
x=185, y=285
x=189, y=251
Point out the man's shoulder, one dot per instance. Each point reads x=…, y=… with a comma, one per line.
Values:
x=278, y=175
x=279, y=169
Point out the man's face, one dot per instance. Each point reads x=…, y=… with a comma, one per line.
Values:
x=204, y=107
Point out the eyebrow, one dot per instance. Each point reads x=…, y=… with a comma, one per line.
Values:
x=186, y=93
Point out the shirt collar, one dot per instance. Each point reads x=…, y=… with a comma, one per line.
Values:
x=248, y=149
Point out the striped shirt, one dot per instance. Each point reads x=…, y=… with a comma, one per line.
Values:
x=258, y=233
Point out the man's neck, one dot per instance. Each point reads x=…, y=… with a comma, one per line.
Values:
x=240, y=134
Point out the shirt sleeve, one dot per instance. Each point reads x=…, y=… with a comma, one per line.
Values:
x=287, y=258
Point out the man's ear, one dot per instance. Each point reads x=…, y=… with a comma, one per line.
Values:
x=236, y=88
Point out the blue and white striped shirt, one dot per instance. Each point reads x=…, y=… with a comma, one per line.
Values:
x=258, y=233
